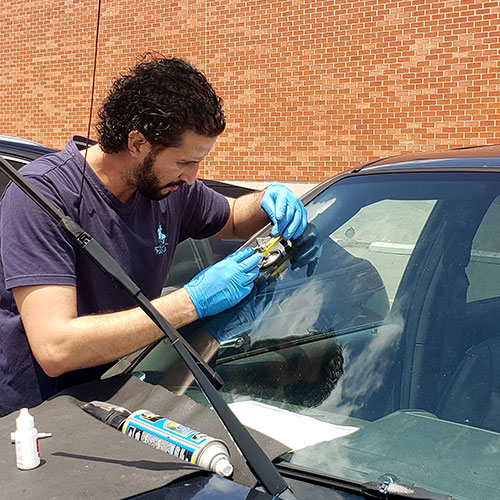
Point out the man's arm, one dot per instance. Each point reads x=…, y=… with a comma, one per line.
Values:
x=277, y=204
x=61, y=341
x=245, y=216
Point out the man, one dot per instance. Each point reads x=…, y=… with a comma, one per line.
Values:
x=62, y=321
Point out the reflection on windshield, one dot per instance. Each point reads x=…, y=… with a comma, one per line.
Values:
x=394, y=332
x=298, y=316
x=317, y=207
x=366, y=370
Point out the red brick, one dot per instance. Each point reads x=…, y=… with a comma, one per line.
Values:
x=310, y=89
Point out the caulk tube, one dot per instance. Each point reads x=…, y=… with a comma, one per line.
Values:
x=179, y=441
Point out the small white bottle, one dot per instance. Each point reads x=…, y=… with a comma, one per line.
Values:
x=26, y=441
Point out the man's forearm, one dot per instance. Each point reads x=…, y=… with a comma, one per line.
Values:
x=246, y=218
x=62, y=341
x=130, y=330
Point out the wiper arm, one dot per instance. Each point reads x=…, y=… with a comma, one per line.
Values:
x=258, y=462
x=372, y=489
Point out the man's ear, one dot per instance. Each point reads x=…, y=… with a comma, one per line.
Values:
x=136, y=143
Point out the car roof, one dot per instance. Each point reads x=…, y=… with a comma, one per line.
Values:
x=22, y=148
x=473, y=156
x=19, y=140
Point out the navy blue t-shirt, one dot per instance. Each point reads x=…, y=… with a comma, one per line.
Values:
x=141, y=235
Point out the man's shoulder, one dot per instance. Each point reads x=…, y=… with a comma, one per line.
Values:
x=56, y=175
x=204, y=211
x=197, y=196
x=57, y=169
x=45, y=163
x=198, y=189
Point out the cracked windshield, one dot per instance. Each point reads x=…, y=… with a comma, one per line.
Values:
x=354, y=347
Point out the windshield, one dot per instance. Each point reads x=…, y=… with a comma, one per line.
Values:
x=381, y=365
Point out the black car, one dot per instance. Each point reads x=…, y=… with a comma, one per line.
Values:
x=375, y=376
x=19, y=152
x=380, y=370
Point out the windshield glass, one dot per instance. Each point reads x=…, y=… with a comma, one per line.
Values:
x=379, y=363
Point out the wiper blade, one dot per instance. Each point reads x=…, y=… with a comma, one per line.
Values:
x=238, y=341
x=373, y=489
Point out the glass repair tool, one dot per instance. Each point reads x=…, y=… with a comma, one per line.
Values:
x=265, y=247
x=272, y=248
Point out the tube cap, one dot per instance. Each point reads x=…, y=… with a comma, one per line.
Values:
x=223, y=467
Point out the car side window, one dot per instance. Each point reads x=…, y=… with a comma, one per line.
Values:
x=17, y=163
x=192, y=256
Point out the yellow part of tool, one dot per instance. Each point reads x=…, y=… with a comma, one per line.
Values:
x=271, y=244
x=279, y=269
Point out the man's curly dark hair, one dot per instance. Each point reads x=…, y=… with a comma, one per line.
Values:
x=162, y=98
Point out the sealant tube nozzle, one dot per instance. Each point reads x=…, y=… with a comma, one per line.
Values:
x=223, y=467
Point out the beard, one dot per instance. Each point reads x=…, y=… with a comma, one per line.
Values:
x=147, y=182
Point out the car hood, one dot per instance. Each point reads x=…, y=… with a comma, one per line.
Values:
x=85, y=458
x=413, y=448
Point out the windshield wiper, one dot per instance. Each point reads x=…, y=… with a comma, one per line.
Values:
x=390, y=490
x=293, y=341
x=238, y=341
x=258, y=462
x=370, y=490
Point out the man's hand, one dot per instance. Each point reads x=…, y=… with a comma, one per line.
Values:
x=224, y=284
x=243, y=317
x=306, y=250
x=286, y=211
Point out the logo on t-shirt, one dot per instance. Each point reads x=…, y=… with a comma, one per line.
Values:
x=162, y=241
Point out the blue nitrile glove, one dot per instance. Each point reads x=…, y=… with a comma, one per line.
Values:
x=286, y=211
x=243, y=317
x=306, y=250
x=224, y=284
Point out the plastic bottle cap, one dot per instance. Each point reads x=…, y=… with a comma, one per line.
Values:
x=223, y=468
x=25, y=421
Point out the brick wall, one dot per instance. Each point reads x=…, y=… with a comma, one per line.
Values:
x=310, y=87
